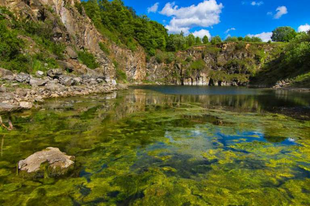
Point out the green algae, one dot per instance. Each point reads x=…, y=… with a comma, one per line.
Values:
x=146, y=148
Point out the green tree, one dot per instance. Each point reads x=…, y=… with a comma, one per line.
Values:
x=205, y=40
x=231, y=39
x=190, y=40
x=283, y=34
x=216, y=40
x=198, y=40
x=256, y=39
x=247, y=39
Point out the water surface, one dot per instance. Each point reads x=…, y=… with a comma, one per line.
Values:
x=164, y=145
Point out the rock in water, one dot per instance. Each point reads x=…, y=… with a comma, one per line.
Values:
x=58, y=162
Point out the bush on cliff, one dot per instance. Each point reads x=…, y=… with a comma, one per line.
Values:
x=88, y=59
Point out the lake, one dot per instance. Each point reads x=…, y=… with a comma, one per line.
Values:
x=165, y=145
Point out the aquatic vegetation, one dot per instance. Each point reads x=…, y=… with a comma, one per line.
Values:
x=148, y=148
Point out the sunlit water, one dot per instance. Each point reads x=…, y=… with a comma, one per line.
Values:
x=164, y=146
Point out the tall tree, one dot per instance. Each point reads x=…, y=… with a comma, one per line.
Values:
x=216, y=40
x=283, y=34
x=205, y=40
x=198, y=40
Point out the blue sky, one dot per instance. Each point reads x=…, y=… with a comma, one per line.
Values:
x=226, y=17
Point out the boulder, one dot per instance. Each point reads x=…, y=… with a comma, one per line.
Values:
x=52, y=86
x=6, y=107
x=36, y=82
x=71, y=53
x=66, y=80
x=23, y=77
x=39, y=73
x=66, y=66
x=54, y=73
x=8, y=77
x=58, y=163
x=2, y=89
x=77, y=80
x=5, y=72
x=26, y=105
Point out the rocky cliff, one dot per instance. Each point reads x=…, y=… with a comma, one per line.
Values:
x=72, y=27
x=227, y=64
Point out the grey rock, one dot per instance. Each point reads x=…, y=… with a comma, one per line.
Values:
x=8, y=78
x=2, y=89
x=100, y=80
x=66, y=80
x=77, y=81
x=36, y=82
x=71, y=53
x=6, y=107
x=39, y=73
x=26, y=105
x=54, y=86
x=57, y=161
x=23, y=77
x=5, y=72
x=66, y=66
x=54, y=73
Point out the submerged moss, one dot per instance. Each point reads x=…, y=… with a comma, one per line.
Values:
x=146, y=148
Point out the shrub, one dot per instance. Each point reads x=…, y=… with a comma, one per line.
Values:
x=88, y=59
x=198, y=65
x=104, y=48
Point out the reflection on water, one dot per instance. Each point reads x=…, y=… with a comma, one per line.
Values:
x=164, y=146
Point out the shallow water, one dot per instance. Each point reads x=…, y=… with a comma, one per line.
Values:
x=164, y=145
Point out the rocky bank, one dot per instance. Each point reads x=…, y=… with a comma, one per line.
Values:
x=22, y=91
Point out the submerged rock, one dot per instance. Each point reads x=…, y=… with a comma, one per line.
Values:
x=58, y=162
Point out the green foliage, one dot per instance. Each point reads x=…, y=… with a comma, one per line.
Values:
x=88, y=59
x=205, y=40
x=216, y=40
x=121, y=23
x=120, y=74
x=198, y=41
x=256, y=39
x=293, y=62
x=283, y=34
x=231, y=39
x=104, y=48
x=198, y=65
x=10, y=44
x=165, y=57
x=12, y=47
x=190, y=40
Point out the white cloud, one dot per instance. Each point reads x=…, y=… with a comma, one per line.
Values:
x=265, y=36
x=281, y=10
x=257, y=3
x=204, y=14
x=304, y=28
x=201, y=33
x=231, y=29
x=153, y=9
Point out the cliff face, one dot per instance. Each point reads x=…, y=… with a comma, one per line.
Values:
x=72, y=27
x=227, y=64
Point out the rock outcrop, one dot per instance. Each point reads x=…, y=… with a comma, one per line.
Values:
x=73, y=28
x=226, y=64
x=29, y=90
x=58, y=163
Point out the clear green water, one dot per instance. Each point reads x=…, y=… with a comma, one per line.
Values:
x=164, y=146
